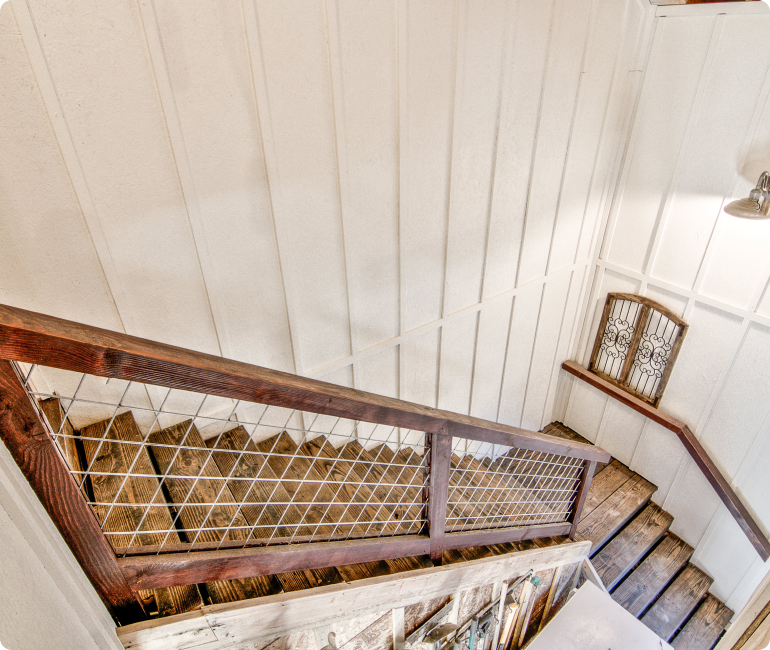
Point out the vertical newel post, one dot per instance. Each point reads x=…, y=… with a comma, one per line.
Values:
x=440, y=452
x=587, y=475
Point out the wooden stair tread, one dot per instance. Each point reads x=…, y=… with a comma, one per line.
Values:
x=258, y=495
x=641, y=587
x=401, y=564
x=614, y=512
x=625, y=550
x=610, y=479
x=563, y=431
x=294, y=473
x=351, y=572
x=677, y=601
x=197, y=483
x=704, y=627
x=118, y=458
x=309, y=579
x=59, y=424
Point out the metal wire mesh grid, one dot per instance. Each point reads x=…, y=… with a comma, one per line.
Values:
x=495, y=486
x=169, y=470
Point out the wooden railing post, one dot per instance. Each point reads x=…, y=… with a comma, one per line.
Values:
x=440, y=445
x=587, y=475
x=33, y=450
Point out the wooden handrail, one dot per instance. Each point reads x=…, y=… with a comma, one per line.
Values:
x=693, y=446
x=34, y=338
x=30, y=337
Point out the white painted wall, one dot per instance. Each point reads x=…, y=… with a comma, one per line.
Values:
x=699, y=139
x=409, y=197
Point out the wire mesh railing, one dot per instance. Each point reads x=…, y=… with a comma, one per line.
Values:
x=495, y=486
x=170, y=470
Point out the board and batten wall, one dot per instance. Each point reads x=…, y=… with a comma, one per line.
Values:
x=700, y=137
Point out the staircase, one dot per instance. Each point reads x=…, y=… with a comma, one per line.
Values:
x=230, y=488
x=645, y=567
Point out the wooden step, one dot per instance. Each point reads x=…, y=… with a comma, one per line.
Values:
x=614, y=512
x=309, y=579
x=562, y=431
x=677, y=602
x=369, y=466
x=304, y=484
x=113, y=457
x=202, y=518
x=351, y=572
x=54, y=413
x=629, y=546
x=261, y=491
x=404, y=473
x=610, y=479
x=704, y=627
x=640, y=588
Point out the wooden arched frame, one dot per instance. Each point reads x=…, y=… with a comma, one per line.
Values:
x=625, y=339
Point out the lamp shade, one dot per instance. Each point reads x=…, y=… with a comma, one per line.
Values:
x=746, y=209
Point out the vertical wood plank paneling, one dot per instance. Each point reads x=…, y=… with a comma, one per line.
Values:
x=518, y=360
x=363, y=45
x=458, y=351
x=562, y=82
x=658, y=132
x=493, y=336
x=207, y=60
x=742, y=406
x=110, y=102
x=481, y=54
x=300, y=117
x=519, y=116
x=543, y=355
x=696, y=374
x=603, y=55
x=41, y=219
x=735, y=83
x=426, y=141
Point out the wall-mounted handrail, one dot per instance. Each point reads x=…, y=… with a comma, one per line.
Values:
x=693, y=446
x=33, y=338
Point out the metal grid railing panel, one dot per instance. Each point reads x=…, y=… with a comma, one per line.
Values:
x=169, y=470
x=495, y=486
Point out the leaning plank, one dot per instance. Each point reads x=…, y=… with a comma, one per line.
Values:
x=276, y=616
x=36, y=338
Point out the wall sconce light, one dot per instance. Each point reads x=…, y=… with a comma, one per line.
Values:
x=757, y=206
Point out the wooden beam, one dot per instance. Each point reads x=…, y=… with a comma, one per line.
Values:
x=167, y=570
x=438, y=490
x=587, y=475
x=693, y=446
x=503, y=535
x=34, y=452
x=36, y=338
x=269, y=617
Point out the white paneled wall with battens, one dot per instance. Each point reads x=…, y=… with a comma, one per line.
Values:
x=399, y=196
x=700, y=137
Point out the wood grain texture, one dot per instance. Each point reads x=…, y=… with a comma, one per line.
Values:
x=677, y=601
x=275, y=616
x=643, y=532
x=693, y=446
x=606, y=482
x=111, y=455
x=440, y=446
x=36, y=338
x=145, y=572
x=586, y=478
x=641, y=587
x=614, y=512
x=704, y=626
x=33, y=450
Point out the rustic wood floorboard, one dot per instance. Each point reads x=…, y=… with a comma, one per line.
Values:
x=640, y=588
x=614, y=512
x=631, y=544
x=677, y=602
x=704, y=627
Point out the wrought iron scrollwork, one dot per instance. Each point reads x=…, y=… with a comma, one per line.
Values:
x=617, y=338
